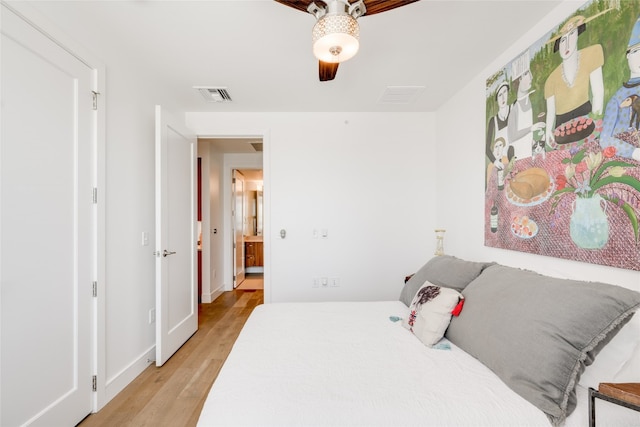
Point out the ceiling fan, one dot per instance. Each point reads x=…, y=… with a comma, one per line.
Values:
x=336, y=33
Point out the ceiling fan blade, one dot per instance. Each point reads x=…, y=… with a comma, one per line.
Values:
x=373, y=6
x=301, y=5
x=327, y=70
x=377, y=6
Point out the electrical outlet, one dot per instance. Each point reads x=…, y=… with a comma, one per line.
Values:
x=152, y=315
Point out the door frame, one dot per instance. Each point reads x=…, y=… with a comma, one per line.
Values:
x=230, y=163
x=98, y=328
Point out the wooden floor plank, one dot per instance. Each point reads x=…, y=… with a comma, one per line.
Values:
x=173, y=395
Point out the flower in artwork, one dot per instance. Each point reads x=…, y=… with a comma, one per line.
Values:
x=592, y=171
x=616, y=171
x=609, y=152
x=561, y=182
x=582, y=188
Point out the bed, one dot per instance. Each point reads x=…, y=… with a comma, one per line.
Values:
x=358, y=364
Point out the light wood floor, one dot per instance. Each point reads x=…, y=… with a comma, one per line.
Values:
x=252, y=281
x=173, y=395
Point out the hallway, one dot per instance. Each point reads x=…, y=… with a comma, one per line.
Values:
x=252, y=281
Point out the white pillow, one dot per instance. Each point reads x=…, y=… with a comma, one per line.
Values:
x=430, y=312
x=619, y=360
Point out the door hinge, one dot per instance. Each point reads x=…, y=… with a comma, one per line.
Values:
x=94, y=95
x=234, y=278
x=94, y=286
x=233, y=180
x=94, y=195
x=94, y=383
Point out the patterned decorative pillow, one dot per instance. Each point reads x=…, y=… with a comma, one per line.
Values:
x=430, y=312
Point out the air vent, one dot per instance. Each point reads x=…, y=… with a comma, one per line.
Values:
x=400, y=94
x=214, y=94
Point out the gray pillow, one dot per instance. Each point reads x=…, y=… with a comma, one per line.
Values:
x=444, y=271
x=538, y=333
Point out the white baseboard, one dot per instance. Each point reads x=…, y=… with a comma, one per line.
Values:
x=211, y=296
x=119, y=381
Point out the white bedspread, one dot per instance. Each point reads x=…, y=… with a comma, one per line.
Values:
x=348, y=364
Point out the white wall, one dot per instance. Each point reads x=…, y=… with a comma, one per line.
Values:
x=130, y=186
x=216, y=208
x=461, y=177
x=367, y=178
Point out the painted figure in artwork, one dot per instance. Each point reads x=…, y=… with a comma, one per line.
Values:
x=497, y=128
x=621, y=117
x=567, y=87
x=521, y=126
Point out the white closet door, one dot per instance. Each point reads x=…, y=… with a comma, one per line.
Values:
x=47, y=237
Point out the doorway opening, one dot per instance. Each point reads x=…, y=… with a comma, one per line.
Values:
x=225, y=235
x=248, y=220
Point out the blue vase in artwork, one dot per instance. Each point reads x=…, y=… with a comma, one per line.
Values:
x=589, y=226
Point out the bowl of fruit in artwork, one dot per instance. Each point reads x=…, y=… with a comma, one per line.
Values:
x=524, y=227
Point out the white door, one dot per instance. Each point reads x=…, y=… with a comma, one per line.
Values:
x=176, y=240
x=47, y=229
x=237, y=215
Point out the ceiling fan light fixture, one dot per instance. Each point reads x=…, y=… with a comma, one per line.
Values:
x=336, y=38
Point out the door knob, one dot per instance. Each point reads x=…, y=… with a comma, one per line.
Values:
x=167, y=253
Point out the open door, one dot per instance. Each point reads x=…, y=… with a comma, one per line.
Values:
x=176, y=240
x=237, y=215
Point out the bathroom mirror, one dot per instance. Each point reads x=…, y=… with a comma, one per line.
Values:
x=252, y=202
x=253, y=217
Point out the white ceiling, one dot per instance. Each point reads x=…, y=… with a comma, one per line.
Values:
x=260, y=50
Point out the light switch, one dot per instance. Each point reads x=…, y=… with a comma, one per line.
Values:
x=145, y=238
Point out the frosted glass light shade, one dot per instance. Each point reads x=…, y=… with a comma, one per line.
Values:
x=336, y=38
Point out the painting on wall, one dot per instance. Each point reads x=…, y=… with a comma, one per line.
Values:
x=562, y=156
